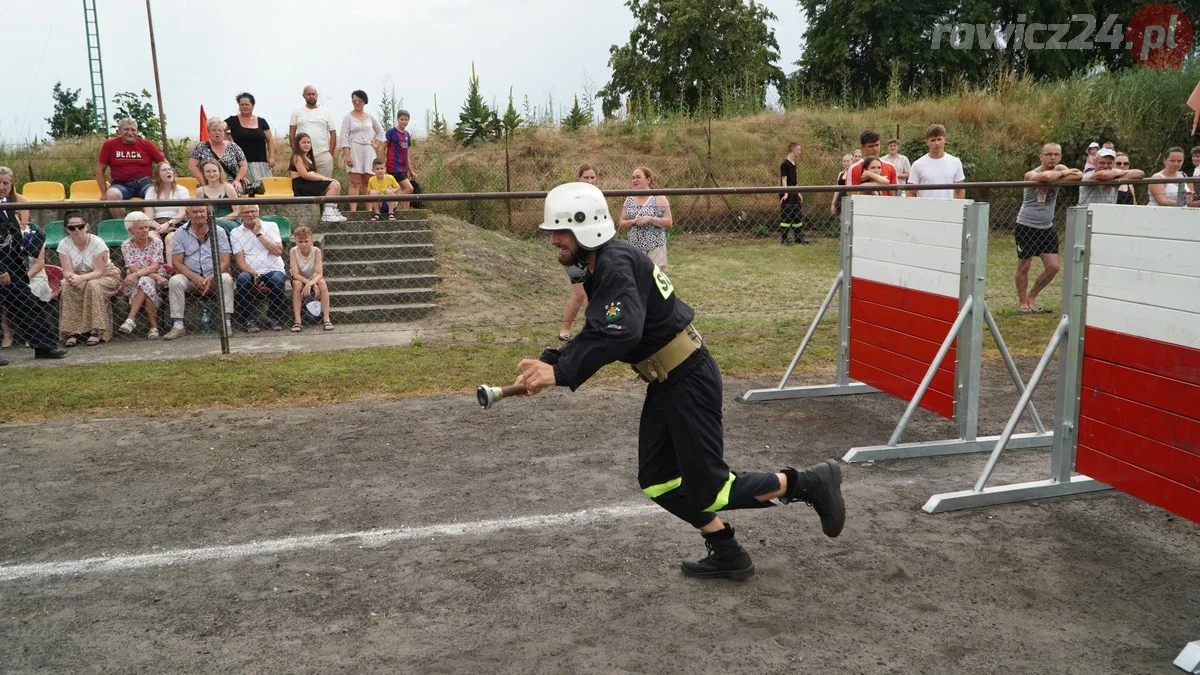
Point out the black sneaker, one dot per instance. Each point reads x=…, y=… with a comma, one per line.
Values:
x=49, y=353
x=820, y=486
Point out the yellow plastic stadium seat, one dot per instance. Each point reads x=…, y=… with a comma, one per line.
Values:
x=188, y=182
x=44, y=191
x=85, y=191
x=276, y=186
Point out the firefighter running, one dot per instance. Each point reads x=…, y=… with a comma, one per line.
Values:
x=635, y=316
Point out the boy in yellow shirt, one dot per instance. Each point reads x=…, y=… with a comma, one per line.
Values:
x=382, y=183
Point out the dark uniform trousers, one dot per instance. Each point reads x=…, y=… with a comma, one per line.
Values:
x=25, y=312
x=681, y=463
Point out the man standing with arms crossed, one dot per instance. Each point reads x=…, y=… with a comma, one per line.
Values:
x=1035, y=226
x=316, y=121
x=634, y=316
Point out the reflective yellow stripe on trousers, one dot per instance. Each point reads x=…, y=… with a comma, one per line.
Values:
x=655, y=491
x=722, y=497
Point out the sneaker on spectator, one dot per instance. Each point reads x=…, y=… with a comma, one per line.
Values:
x=175, y=332
x=252, y=327
x=332, y=215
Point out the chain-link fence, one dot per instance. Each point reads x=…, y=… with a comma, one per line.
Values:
x=83, y=277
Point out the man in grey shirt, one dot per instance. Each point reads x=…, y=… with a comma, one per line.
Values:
x=1102, y=194
x=1035, y=226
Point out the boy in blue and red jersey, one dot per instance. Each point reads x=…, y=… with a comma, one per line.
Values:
x=398, y=143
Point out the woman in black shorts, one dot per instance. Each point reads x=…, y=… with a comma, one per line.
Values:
x=306, y=182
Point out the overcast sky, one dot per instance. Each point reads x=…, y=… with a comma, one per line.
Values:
x=209, y=51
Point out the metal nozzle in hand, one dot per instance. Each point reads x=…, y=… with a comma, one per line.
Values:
x=488, y=395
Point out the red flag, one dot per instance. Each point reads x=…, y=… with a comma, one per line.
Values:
x=1193, y=102
x=204, y=123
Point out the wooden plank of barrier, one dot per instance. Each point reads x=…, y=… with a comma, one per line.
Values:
x=1142, y=354
x=888, y=228
x=948, y=211
x=1137, y=481
x=883, y=380
x=919, y=256
x=901, y=343
x=929, y=281
x=1152, y=455
x=926, y=304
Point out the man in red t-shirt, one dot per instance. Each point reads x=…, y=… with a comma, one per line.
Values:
x=131, y=160
x=870, y=148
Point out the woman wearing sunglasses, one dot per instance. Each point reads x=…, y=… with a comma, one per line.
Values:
x=1126, y=194
x=89, y=280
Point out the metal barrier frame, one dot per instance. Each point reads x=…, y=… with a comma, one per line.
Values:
x=1063, y=481
x=968, y=329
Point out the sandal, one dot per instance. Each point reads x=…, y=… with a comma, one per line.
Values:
x=7, y=343
x=296, y=327
x=93, y=340
x=563, y=337
x=328, y=325
x=391, y=217
x=153, y=334
x=375, y=217
x=71, y=341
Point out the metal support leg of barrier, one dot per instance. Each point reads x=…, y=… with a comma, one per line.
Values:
x=1069, y=334
x=1189, y=659
x=841, y=289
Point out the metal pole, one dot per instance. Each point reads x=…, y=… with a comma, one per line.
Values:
x=162, y=118
x=1012, y=368
x=214, y=238
x=1063, y=327
x=812, y=328
x=843, y=362
x=507, y=180
x=933, y=368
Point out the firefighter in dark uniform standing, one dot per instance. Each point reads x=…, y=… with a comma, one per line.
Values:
x=634, y=316
x=22, y=306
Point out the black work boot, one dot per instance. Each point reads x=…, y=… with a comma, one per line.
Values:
x=783, y=236
x=726, y=558
x=820, y=485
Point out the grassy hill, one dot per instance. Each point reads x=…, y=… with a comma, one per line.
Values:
x=996, y=130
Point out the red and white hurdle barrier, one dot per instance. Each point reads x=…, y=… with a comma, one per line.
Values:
x=1128, y=399
x=911, y=320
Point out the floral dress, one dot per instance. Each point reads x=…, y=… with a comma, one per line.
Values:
x=645, y=237
x=142, y=258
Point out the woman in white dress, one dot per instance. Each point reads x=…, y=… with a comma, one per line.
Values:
x=359, y=139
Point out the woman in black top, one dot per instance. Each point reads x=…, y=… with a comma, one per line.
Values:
x=253, y=135
x=1126, y=194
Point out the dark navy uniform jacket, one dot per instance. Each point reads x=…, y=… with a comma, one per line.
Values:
x=632, y=312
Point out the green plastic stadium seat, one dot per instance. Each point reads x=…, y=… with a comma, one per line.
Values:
x=284, y=225
x=54, y=234
x=112, y=231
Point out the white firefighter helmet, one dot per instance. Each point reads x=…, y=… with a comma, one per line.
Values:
x=582, y=209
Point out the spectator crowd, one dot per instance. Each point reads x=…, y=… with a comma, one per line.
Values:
x=169, y=251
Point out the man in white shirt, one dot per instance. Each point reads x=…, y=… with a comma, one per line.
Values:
x=893, y=157
x=316, y=121
x=937, y=167
x=257, y=252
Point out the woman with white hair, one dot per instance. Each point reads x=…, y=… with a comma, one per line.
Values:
x=221, y=148
x=143, y=256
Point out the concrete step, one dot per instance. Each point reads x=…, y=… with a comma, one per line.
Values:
x=332, y=239
x=367, y=226
x=380, y=313
x=378, y=268
x=400, y=281
x=366, y=252
x=381, y=296
x=401, y=214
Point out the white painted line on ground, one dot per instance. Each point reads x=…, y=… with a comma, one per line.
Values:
x=122, y=563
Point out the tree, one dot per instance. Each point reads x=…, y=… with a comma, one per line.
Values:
x=69, y=119
x=437, y=127
x=686, y=54
x=512, y=119
x=138, y=108
x=576, y=119
x=477, y=123
x=389, y=104
x=858, y=49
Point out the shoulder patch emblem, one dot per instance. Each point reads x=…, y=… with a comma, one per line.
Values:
x=612, y=311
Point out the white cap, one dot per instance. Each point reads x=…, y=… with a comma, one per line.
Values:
x=1107, y=152
x=1093, y=145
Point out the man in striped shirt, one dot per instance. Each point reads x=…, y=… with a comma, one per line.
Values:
x=398, y=143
